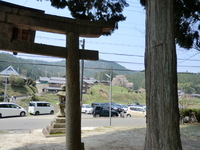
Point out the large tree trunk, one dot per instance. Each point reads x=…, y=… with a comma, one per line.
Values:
x=163, y=131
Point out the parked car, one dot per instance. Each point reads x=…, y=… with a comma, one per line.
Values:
x=136, y=111
x=40, y=107
x=86, y=108
x=124, y=107
x=102, y=111
x=136, y=104
x=11, y=109
x=114, y=107
x=96, y=104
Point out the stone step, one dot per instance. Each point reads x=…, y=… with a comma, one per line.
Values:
x=57, y=125
x=60, y=120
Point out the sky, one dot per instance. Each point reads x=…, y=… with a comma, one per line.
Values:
x=126, y=46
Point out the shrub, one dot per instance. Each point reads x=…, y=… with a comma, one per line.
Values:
x=1, y=98
x=186, y=112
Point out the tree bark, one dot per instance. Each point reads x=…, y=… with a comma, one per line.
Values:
x=163, y=132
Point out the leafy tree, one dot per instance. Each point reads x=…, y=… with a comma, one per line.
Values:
x=120, y=80
x=160, y=64
x=12, y=79
x=186, y=15
x=160, y=57
x=29, y=81
x=186, y=27
x=16, y=80
x=2, y=79
x=187, y=87
x=138, y=80
x=19, y=81
x=94, y=10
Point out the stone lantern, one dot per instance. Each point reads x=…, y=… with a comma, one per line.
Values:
x=62, y=97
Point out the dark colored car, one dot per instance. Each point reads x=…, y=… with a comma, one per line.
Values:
x=114, y=107
x=96, y=104
x=102, y=111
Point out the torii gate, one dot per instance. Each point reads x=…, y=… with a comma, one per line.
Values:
x=18, y=25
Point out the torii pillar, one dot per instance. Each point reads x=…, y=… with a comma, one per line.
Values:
x=18, y=25
x=73, y=124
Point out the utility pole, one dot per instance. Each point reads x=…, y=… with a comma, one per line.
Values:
x=82, y=72
x=5, y=87
x=110, y=97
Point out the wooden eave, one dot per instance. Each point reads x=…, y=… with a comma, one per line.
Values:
x=34, y=19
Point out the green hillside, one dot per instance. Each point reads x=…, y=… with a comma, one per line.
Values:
x=100, y=93
x=38, y=68
x=187, y=82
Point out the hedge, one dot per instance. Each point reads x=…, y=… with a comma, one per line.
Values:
x=186, y=112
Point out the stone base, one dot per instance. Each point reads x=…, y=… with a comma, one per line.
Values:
x=56, y=128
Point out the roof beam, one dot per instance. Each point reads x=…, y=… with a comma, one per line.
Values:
x=42, y=49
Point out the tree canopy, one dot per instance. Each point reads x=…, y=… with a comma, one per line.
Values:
x=187, y=16
x=94, y=10
x=187, y=26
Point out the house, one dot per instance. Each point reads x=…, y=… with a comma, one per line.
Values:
x=8, y=71
x=43, y=80
x=55, y=83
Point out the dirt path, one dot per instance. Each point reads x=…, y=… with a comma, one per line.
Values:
x=100, y=138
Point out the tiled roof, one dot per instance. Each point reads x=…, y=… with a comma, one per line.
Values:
x=8, y=71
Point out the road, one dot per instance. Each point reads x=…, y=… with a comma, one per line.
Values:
x=30, y=122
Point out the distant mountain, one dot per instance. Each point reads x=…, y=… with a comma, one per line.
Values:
x=37, y=68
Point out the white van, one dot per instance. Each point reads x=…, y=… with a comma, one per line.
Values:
x=40, y=107
x=11, y=109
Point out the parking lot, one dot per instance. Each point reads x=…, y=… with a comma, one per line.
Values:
x=30, y=122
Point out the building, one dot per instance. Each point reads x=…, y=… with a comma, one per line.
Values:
x=54, y=83
x=8, y=71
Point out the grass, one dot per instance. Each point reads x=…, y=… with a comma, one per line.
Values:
x=190, y=130
x=100, y=94
x=3, y=132
x=13, y=90
x=97, y=93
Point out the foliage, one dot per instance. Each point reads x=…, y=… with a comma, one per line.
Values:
x=187, y=16
x=188, y=82
x=187, y=29
x=19, y=81
x=197, y=113
x=38, y=98
x=16, y=80
x=102, y=75
x=2, y=79
x=1, y=98
x=138, y=80
x=187, y=87
x=29, y=90
x=120, y=80
x=29, y=81
x=34, y=89
x=94, y=10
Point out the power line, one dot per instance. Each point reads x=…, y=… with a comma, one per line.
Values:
x=25, y=2
x=104, y=53
x=64, y=65
x=120, y=54
x=39, y=64
x=103, y=43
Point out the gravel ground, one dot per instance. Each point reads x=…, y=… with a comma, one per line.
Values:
x=98, y=138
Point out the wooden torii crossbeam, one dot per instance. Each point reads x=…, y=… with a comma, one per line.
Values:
x=18, y=25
